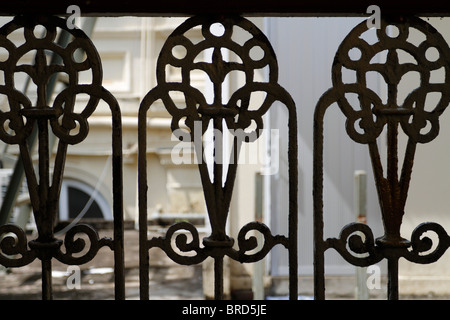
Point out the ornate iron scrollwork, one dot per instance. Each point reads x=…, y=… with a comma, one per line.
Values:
x=13, y=244
x=25, y=118
x=234, y=116
x=366, y=123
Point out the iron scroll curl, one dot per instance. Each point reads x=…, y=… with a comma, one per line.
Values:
x=14, y=250
x=423, y=249
x=176, y=242
x=356, y=245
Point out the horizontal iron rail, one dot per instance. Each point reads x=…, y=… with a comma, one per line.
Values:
x=243, y=7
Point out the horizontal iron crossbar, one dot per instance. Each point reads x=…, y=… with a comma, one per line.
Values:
x=243, y=7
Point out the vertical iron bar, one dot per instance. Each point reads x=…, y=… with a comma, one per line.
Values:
x=392, y=164
x=119, y=254
x=47, y=292
x=393, y=278
x=218, y=278
x=44, y=180
x=293, y=263
x=319, y=260
x=142, y=199
x=46, y=233
x=293, y=206
x=219, y=210
x=143, y=248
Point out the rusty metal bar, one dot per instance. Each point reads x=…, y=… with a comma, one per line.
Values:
x=218, y=278
x=393, y=293
x=117, y=190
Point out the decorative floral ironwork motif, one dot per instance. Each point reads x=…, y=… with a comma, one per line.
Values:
x=17, y=124
x=364, y=124
x=67, y=123
x=236, y=116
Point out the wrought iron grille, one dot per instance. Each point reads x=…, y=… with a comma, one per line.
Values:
x=364, y=125
x=25, y=118
x=235, y=116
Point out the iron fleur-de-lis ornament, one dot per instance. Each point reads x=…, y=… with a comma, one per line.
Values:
x=65, y=116
x=419, y=120
x=236, y=115
x=370, y=115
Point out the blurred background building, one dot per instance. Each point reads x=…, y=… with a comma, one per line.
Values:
x=305, y=48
